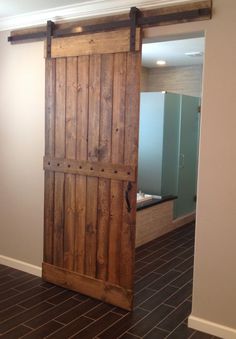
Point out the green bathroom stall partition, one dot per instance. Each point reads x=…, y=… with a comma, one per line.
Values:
x=188, y=156
x=151, y=142
x=168, y=148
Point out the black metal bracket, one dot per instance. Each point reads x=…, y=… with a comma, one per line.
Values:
x=50, y=27
x=134, y=15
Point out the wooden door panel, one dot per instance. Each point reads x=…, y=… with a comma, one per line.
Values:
x=96, y=43
x=92, y=111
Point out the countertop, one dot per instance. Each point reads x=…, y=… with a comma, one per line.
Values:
x=154, y=201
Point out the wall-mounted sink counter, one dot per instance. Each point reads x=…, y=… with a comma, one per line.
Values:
x=154, y=201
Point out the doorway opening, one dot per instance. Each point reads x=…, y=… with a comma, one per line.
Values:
x=170, y=105
x=170, y=101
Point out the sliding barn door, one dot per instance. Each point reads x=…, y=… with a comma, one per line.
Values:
x=92, y=115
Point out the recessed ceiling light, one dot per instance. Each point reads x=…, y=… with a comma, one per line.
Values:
x=161, y=62
x=194, y=54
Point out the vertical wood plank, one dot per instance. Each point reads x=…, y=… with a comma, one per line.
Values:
x=93, y=150
x=58, y=256
x=71, y=110
x=116, y=195
x=50, y=83
x=104, y=156
x=60, y=108
x=130, y=157
x=49, y=151
x=81, y=150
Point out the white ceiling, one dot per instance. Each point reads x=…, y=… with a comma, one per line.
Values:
x=16, y=7
x=173, y=52
x=16, y=14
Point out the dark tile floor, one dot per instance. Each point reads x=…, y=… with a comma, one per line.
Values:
x=31, y=308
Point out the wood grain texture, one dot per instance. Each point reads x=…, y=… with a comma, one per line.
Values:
x=130, y=157
x=78, y=26
x=92, y=182
x=95, y=138
x=60, y=116
x=179, y=8
x=107, y=292
x=91, y=168
x=70, y=141
x=59, y=216
x=117, y=156
x=81, y=154
x=58, y=236
x=107, y=67
x=50, y=82
x=96, y=43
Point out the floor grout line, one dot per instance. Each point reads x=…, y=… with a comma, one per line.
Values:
x=155, y=256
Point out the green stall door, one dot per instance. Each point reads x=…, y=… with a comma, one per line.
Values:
x=170, y=159
x=151, y=142
x=188, y=150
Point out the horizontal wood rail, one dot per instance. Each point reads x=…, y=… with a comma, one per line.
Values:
x=102, y=290
x=93, y=169
x=96, y=43
x=200, y=10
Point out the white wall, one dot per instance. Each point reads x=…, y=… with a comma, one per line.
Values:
x=21, y=150
x=214, y=291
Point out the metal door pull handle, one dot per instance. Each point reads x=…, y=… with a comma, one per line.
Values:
x=129, y=187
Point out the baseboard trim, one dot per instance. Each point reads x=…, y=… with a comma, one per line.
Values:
x=184, y=219
x=21, y=265
x=211, y=327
